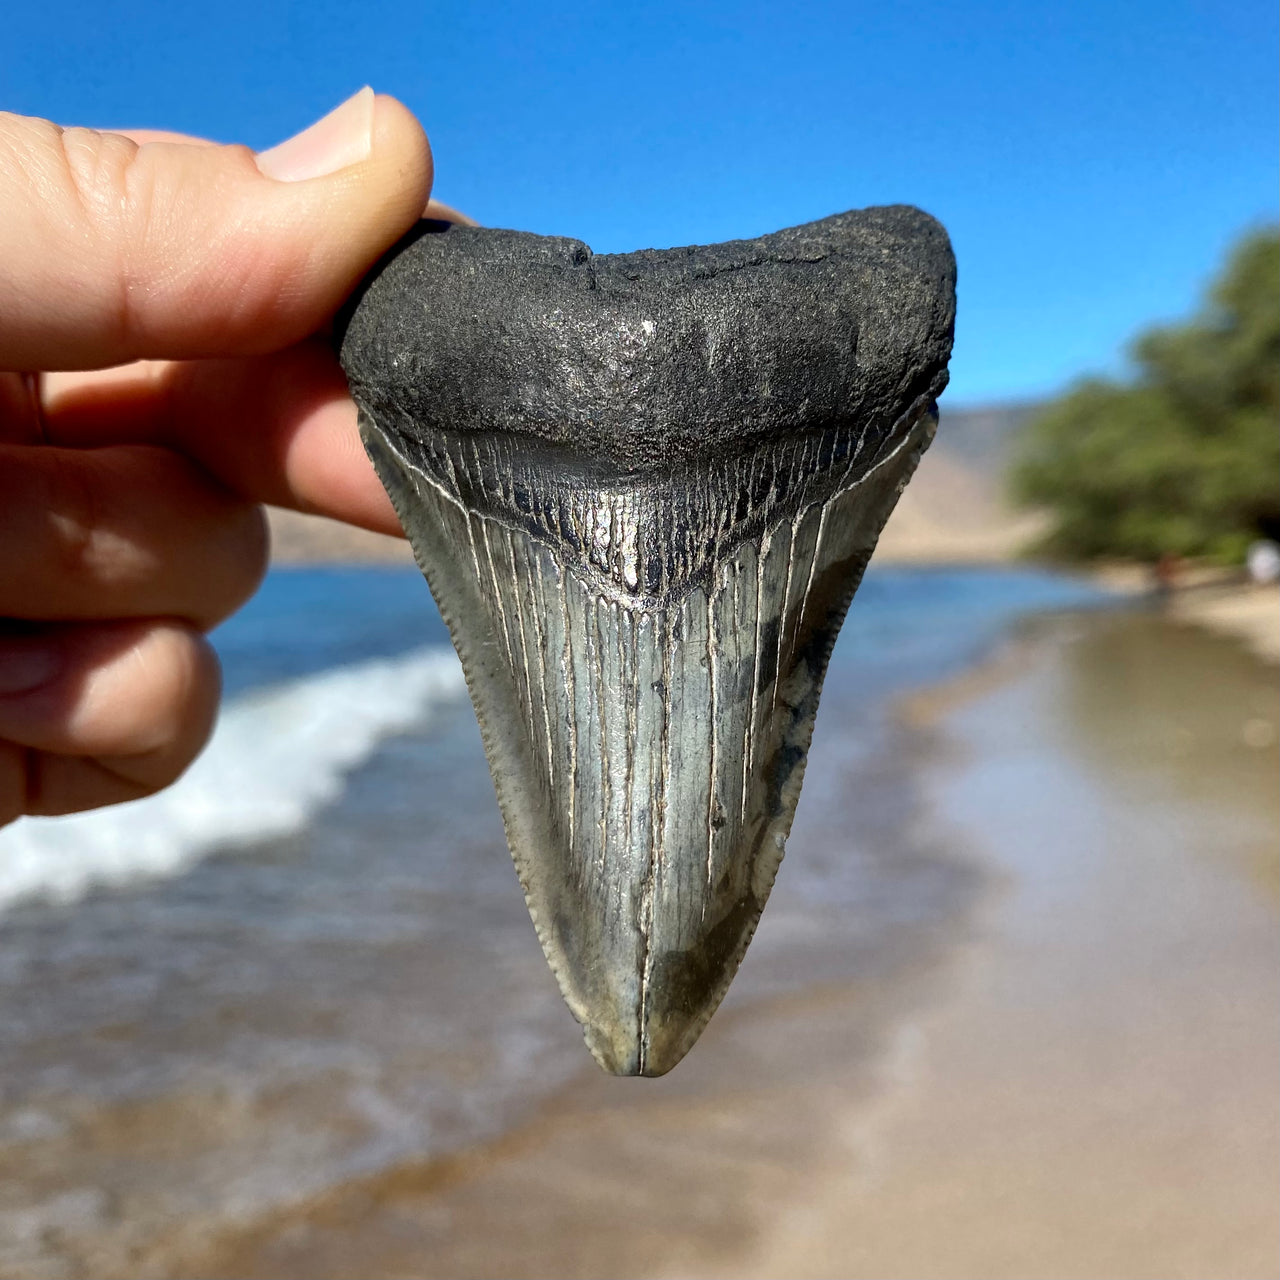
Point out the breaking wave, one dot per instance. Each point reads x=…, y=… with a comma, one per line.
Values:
x=277, y=756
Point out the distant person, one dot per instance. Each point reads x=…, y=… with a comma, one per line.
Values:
x=129, y=492
x=1263, y=562
x=1167, y=572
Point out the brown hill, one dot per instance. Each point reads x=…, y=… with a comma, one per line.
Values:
x=955, y=509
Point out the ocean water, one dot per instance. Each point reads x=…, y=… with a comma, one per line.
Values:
x=310, y=959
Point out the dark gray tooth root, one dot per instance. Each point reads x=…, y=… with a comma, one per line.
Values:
x=643, y=489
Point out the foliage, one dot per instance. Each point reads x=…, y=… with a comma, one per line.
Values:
x=1185, y=457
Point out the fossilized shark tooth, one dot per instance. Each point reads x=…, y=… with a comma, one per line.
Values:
x=643, y=489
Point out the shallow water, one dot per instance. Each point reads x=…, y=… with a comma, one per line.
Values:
x=311, y=960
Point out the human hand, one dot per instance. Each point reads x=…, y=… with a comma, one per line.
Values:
x=180, y=289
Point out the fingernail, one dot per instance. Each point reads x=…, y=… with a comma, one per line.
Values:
x=26, y=665
x=344, y=137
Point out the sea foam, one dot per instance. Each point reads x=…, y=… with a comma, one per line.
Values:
x=277, y=756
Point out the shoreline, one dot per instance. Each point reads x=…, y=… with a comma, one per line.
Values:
x=1249, y=614
x=857, y=1112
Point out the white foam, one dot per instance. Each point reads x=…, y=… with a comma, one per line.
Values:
x=276, y=757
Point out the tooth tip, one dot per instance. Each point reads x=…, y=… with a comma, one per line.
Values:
x=644, y=1023
x=617, y=1052
x=620, y=1051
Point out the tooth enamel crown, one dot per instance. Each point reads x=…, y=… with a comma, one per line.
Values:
x=643, y=489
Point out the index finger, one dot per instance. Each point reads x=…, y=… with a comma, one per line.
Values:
x=278, y=429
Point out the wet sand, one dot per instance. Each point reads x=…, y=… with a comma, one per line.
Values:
x=1078, y=1079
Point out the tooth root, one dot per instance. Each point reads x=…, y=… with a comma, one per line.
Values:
x=647, y=751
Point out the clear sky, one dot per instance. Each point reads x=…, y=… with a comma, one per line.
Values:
x=1092, y=159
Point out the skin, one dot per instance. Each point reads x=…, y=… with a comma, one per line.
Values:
x=174, y=295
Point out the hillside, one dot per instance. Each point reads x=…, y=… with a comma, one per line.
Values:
x=955, y=510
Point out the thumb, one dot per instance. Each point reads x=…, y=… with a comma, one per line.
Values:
x=113, y=250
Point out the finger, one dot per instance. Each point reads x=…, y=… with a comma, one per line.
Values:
x=111, y=250
x=96, y=714
x=162, y=135
x=278, y=429
x=130, y=531
x=446, y=213
x=20, y=414
x=306, y=452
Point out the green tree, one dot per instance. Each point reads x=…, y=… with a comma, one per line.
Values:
x=1185, y=456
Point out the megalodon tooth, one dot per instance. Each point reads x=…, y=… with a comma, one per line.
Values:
x=643, y=488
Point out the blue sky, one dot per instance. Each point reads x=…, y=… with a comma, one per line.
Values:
x=1092, y=160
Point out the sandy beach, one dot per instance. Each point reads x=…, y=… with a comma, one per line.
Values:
x=1077, y=1079
x=1250, y=613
